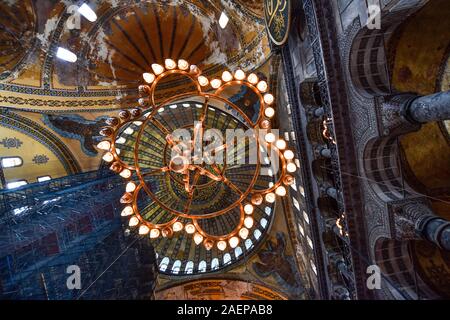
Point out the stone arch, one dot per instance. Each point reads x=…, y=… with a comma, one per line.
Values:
x=369, y=64
x=399, y=277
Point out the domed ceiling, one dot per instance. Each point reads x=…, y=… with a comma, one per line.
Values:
x=17, y=32
x=128, y=37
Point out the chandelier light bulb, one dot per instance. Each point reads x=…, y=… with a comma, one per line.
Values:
x=281, y=144
x=226, y=76
x=108, y=157
x=157, y=68
x=154, y=233
x=198, y=238
x=248, y=208
x=194, y=69
x=257, y=199
x=177, y=226
x=270, y=137
x=252, y=78
x=248, y=222
x=143, y=229
x=243, y=233
x=265, y=124
x=233, y=242
x=221, y=245
x=130, y=187
x=239, y=75
x=104, y=145
x=127, y=211
x=291, y=167
x=133, y=222
x=183, y=64
x=125, y=173
x=170, y=64
x=215, y=83
x=281, y=191
x=270, y=197
x=262, y=86
x=203, y=81
x=289, y=180
x=269, y=112
x=167, y=232
x=268, y=98
x=288, y=155
x=190, y=228
x=208, y=244
x=148, y=77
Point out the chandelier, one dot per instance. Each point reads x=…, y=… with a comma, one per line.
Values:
x=187, y=171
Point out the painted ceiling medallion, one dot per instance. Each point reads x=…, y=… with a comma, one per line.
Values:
x=192, y=176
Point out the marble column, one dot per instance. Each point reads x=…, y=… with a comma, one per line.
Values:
x=416, y=220
x=406, y=112
x=435, y=107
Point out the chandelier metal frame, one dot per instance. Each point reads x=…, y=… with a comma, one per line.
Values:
x=148, y=101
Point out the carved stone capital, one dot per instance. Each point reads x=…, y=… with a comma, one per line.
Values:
x=413, y=219
x=391, y=114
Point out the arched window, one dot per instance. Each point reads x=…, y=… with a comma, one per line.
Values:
x=128, y=130
x=16, y=184
x=215, y=264
x=176, y=266
x=268, y=210
x=305, y=216
x=10, y=162
x=248, y=244
x=202, y=266
x=226, y=258
x=263, y=223
x=237, y=252
x=308, y=239
x=121, y=140
x=257, y=234
x=189, y=267
x=302, y=231
x=43, y=178
x=164, y=263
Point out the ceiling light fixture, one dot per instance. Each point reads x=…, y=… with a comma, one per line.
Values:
x=246, y=201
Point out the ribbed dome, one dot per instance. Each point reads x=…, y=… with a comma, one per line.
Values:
x=178, y=254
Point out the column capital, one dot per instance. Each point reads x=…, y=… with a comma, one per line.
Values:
x=413, y=219
x=406, y=215
x=392, y=114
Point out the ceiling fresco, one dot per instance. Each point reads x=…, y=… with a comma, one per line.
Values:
x=423, y=70
x=122, y=43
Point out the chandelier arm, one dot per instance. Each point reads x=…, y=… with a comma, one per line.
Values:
x=223, y=237
x=172, y=72
x=281, y=176
x=160, y=126
x=191, y=193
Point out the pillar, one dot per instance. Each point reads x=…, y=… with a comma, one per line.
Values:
x=415, y=220
x=435, y=107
